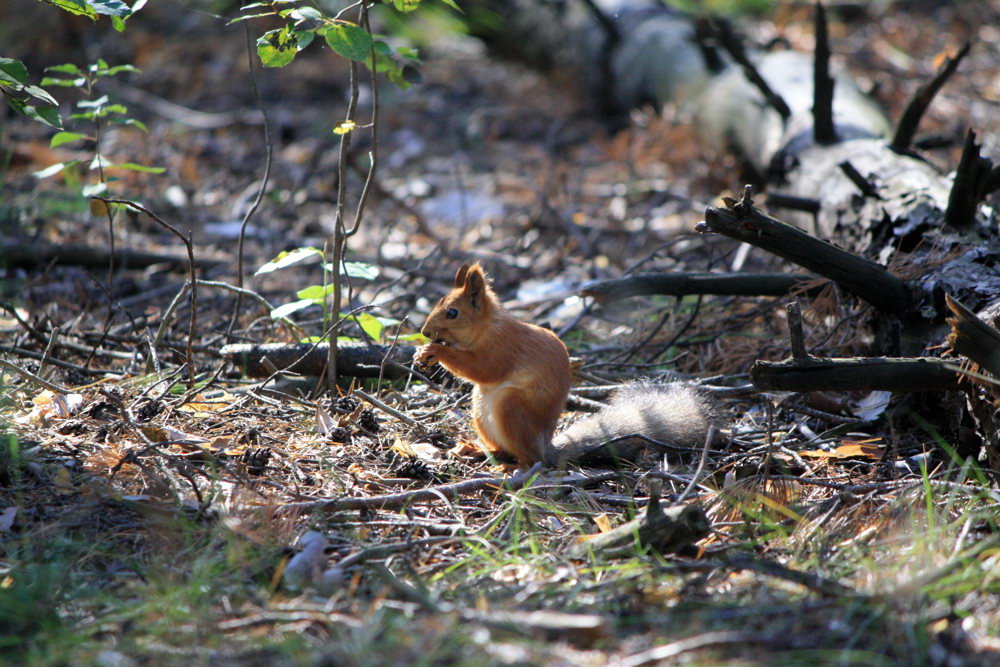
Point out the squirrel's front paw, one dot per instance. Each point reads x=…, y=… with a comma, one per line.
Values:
x=426, y=355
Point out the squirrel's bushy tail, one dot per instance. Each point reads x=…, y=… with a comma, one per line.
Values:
x=677, y=414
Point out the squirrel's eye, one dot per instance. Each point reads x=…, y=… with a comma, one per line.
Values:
x=451, y=313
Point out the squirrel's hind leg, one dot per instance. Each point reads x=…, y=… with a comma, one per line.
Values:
x=524, y=433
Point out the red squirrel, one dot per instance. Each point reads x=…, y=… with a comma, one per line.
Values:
x=521, y=376
x=520, y=371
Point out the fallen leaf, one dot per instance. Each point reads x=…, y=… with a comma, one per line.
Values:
x=325, y=423
x=199, y=404
x=850, y=449
x=61, y=480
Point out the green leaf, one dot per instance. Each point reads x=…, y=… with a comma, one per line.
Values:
x=370, y=325
x=100, y=162
x=405, y=5
x=287, y=258
x=15, y=68
x=114, y=108
x=64, y=83
x=350, y=41
x=47, y=115
x=111, y=8
x=315, y=293
x=408, y=52
x=130, y=121
x=453, y=5
x=132, y=166
x=93, y=189
x=65, y=68
x=61, y=138
x=77, y=7
x=90, y=115
x=361, y=270
x=248, y=17
x=117, y=69
x=277, y=48
x=289, y=308
x=93, y=104
x=306, y=14
x=54, y=169
x=118, y=23
x=416, y=337
x=41, y=94
x=305, y=37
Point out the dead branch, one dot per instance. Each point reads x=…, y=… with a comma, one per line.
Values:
x=664, y=530
x=17, y=252
x=861, y=277
x=972, y=337
x=734, y=48
x=355, y=359
x=682, y=284
x=824, y=132
x=855, y=374
x=922, y=98
x=970, y=185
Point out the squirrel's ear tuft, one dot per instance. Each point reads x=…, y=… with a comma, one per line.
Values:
x=475, y=284
x=460, y=274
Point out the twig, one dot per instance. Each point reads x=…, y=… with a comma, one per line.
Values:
x=795, y=335
x=908, y=122
x=824, y=132
x=969, y=187
x=192, y=269
x=55, y=362
x=862, y=183
x=386, y=408
x=263, y=184
x=341, y=233
x=34, y=378
x=733, y=46
x=709, y=438
x=696, y=643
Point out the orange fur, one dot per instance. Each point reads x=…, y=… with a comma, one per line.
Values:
x=520, y=371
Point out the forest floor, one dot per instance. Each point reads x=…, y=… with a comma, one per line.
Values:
x=146, y=522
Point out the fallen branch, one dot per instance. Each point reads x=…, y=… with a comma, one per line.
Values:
x=861, y=277
x=970, y=185
x=20, y=253
x=855, y=374
x=355, y=359
x=824, y=132
x=972, y=337
x=908, y=122
x=667, y=530
x=682, y=284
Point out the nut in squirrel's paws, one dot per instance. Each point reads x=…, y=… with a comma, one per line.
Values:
x=425, y=355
